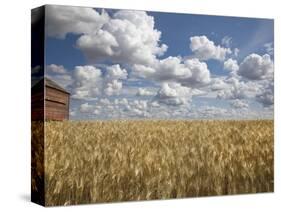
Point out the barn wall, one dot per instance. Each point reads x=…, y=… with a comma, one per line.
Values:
x=56, y=95
x=37, y=106
x=56, y=104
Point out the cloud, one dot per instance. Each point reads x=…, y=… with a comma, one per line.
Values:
x=200, y=74
x=115, y=72
x=86, y=108
x=144, y=92
x=112, y=82
x=251, y=79
x=145, y=23
x=231, y=65
x=212, y=112
x=139, y=104
x=65, y=80
x=122, y=101
x=173, y=94
x=142, y=71
x=61, y=20
x=236, y=52
x=269, y=48
x=226, y=41
x=87, y=82
x=239, y=104
x=232, y=113
x=171, y=68
x=133, y=108
x=137, y=108
x=218, y=84
x=266, y=96
x=57, y=69
x=104, y=101
x=167, y=92
x=256, y=67
x=188, y=72
x=60, y=75
x=97, y=46
x=113, y=88
x=155, y=104
x=237, y=89
x=128, y=37
x=89, y=109
x=205, y=49
x=72, y=113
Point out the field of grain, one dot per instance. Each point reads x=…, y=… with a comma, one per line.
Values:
x=105, y=161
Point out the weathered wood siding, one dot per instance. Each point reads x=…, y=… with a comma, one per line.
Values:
x=37, y=103
x=37, y=108
x=56, y=104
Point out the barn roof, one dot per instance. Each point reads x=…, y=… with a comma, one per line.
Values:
x=54, y=85
x=50, y=83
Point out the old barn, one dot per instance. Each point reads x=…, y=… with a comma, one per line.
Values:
x=48, y=95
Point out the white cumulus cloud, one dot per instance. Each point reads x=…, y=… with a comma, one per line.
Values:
x=113, y=87
x=87, y=82
x=61, y=20
x=144, y=92
x=218, y=84
x=237, y=89
x=231, y=65
x=188, y=72
x=266, y=95
x=205, y=49
x=256, y=67
x=57, y=69
x=173, y=94
x=112, y=79
x=115, y=72
x=239, y=104
x=86, y=108
x=90, y=82
x=60, y=75
x=128, y=37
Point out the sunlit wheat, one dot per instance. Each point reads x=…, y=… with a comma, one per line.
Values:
x=104, y=161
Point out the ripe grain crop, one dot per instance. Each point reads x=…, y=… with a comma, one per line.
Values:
x=109, y=161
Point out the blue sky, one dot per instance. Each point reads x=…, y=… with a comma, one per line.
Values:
x=177, y=28
x=131, y=64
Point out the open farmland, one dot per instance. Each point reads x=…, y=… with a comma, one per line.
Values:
x=104, y=161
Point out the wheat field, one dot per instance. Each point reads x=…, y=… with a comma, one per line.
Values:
x=109, y=161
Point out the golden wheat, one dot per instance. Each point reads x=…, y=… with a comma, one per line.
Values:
x=104, y=161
